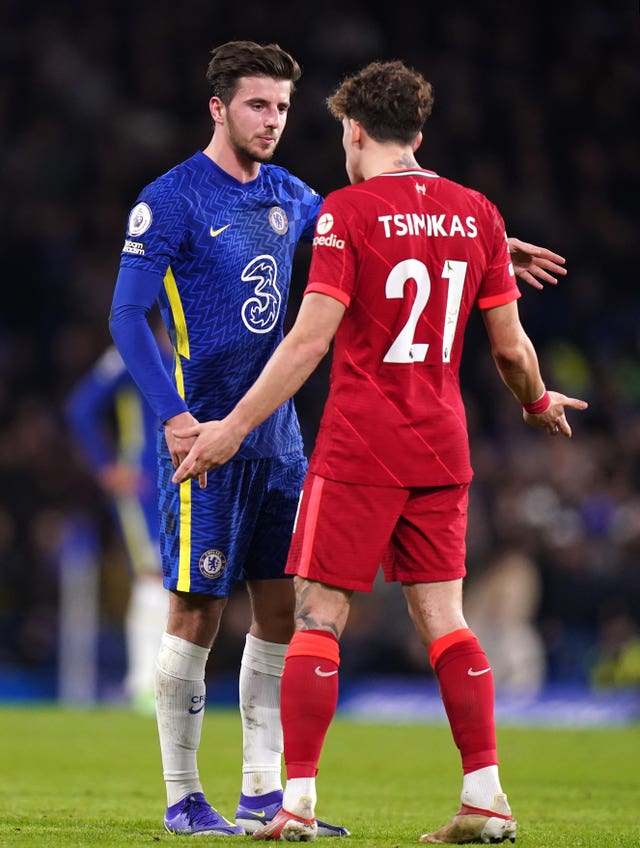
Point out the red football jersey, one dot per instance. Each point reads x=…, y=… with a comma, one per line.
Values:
x=409, y=253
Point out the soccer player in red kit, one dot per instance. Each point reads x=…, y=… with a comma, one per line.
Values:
x=400, y=258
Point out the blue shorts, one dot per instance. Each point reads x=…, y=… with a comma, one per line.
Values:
x=237, y=528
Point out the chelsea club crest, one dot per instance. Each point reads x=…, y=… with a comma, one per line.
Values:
x=212, y=564
x=278, y=220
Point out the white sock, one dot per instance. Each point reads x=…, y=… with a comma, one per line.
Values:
x=260, y=673
x=180, y=699
x=480, y=787
x=145, y=623
x=300, y=797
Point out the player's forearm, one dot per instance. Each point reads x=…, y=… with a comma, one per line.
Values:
x=139, y=350
x=135, y=293
x=519, y=369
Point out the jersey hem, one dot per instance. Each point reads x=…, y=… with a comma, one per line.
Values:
x=330, y=291
x=498, y=299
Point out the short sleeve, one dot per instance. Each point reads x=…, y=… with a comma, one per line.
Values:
x=333, y=260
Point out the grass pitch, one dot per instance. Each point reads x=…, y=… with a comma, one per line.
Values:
x=93, y=778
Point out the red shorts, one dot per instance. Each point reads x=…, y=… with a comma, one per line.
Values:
x=345, y=531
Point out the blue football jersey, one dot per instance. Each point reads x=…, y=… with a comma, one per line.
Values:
x=220, y=253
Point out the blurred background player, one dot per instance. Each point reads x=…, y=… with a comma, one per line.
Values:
x=500, y=607
x=400, y=258
x=117, y=430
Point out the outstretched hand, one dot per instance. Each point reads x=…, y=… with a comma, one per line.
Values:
x=532, y=263
x=553, y=419
x=214, y=443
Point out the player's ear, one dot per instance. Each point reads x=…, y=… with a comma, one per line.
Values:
x=217, y=110
x=417, y=142
x=356, y=131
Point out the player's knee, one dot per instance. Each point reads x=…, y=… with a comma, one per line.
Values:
x=277, y=628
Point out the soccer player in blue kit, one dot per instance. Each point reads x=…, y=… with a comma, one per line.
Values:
x=116, y=429
x=212, y=242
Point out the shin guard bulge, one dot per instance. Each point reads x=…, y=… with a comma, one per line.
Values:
x=308, y=700
x=466, y=686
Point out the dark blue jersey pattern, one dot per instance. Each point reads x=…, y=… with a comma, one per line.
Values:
x=216, y=255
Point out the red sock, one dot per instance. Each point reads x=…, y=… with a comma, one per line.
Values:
x=466, y=686
x=308, y=698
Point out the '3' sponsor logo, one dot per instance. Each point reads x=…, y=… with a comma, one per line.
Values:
x=197, y=704
x=260, y=311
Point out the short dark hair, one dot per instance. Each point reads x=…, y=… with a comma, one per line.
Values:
x=390, y=100
x=236, y=59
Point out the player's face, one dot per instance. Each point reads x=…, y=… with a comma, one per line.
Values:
x=351, y=153
x=256, y=117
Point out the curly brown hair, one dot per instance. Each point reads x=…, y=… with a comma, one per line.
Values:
x=390, y=100
x=236, y=59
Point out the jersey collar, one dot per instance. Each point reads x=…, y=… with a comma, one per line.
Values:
x=411, y=172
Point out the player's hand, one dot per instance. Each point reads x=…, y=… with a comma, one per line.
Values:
x=179, y=447
x=212, y=444
x=532, y=263
x=553, y=419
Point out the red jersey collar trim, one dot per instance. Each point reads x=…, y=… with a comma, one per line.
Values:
x=412, y=172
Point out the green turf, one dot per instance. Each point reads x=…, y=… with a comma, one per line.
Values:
x=92, y=778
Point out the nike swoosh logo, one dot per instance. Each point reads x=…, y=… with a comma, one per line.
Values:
x=322, y=673
x=213, y=233
x=195, y=712
x=260, y=814
x=473, y=673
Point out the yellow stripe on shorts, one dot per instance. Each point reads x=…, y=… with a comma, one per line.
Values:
x=184, y=556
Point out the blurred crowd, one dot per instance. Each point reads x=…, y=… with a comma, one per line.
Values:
x=536, y=107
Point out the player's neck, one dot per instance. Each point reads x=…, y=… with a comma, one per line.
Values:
x=240, y=168
x=386, y=159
